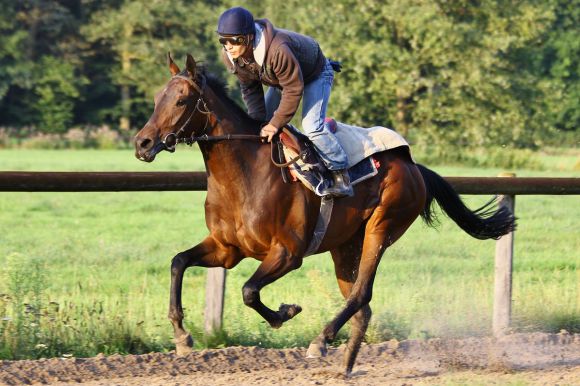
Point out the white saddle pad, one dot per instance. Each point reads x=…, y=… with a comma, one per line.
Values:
x=360, y=142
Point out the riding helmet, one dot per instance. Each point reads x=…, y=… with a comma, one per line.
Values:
x=236, y=21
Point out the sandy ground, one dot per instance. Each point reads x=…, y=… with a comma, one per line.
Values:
x=522, y=359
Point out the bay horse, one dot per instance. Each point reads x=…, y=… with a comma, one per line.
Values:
x=251, y=212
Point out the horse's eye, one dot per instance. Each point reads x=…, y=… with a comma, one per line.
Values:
x=181, y=102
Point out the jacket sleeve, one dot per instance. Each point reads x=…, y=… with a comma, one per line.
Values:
x=253, y=96
x=287, y=69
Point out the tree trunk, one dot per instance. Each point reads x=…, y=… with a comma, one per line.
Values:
x=125, y=121
x=401, y=115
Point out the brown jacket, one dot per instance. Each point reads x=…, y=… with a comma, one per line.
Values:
x=291, y=60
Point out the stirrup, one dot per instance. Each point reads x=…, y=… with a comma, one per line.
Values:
x=341, y=186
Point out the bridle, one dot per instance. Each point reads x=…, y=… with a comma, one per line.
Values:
x=201, y=107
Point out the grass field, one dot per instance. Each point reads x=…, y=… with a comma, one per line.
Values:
x=83, y=273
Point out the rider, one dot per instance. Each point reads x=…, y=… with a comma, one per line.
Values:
x=294, y=68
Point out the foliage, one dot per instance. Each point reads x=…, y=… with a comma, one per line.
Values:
x=89, y=137
x=499, y=157
x=21, y=302
x=560, y=65
x=138, y=35
x=440, y=73
x=462, y=74
x=56, y=89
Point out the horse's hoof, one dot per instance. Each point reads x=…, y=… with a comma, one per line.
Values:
x=183, y=345
x=285, y=313
x=316, y=350
x=182, y=351
x=288, y=311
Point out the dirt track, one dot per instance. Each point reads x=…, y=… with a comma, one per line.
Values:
x=551, y=359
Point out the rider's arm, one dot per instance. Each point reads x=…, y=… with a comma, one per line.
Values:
x=287, y=70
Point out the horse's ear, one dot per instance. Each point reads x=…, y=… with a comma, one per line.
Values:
x=191, y=66
x=172, y=66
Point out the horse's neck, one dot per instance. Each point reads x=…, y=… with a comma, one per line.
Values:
x=228, y=118
x=233, y=160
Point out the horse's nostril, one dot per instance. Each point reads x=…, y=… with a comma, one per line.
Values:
x=145, y=143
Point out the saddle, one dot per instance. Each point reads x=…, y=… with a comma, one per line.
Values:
x=298, y=159
x=294, y=139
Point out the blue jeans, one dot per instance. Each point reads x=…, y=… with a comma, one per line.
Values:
x=314, y=102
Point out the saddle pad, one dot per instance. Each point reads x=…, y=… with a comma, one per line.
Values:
x=360, y=143
x=316, y=181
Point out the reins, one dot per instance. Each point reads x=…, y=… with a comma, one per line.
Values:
x=211, y=138
x=283, y=164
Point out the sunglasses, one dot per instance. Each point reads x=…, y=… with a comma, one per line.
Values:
x=233, y=40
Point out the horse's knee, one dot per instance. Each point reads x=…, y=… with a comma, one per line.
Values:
x=366, y=297
x=363, y=316
x=367, y=312
x=250, y=294
x=362, y=299
x=178, y=264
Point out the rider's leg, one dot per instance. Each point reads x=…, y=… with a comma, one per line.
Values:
x=272, y=100
x=314, y=104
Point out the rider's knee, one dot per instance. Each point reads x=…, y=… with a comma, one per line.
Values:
x=313, y=127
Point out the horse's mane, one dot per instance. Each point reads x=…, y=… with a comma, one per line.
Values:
x=220, y=88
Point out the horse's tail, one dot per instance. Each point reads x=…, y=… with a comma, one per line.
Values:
x=483, y=223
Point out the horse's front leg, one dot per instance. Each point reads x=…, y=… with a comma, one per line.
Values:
x=277, y=263
x=205, y=254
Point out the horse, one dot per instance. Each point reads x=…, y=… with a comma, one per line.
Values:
x=251, y=212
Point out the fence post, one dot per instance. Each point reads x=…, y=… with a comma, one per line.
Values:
x=504, y=251
x=214, y=299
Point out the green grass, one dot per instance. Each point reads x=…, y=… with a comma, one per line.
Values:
x=95, y=268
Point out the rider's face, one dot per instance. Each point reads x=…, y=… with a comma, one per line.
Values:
x=235, y=50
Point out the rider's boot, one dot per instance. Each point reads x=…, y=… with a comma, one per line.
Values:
x=341, y=186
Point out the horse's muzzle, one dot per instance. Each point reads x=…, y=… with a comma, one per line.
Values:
x=146, y=149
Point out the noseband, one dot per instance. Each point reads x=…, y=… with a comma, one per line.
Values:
x=200, y=106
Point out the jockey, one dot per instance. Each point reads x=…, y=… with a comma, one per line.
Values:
x=294, y=68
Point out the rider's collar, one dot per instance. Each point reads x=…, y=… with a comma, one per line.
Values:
x=259, y=45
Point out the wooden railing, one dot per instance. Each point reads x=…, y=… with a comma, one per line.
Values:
x=197, y=181
x=508, y=188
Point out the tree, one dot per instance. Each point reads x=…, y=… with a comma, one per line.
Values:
x=57, y=89
x=437, y=71
x=138, y=34
x=36, y=88
x=558, y=67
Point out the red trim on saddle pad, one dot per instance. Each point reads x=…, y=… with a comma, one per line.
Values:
x=332, y=126
x=376, y=162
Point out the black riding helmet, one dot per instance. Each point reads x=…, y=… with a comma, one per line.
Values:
x=236, y=21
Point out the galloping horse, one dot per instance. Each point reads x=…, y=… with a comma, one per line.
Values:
x=251, y=212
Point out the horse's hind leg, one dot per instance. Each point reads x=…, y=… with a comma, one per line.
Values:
x=346, y=262
x=400, y=204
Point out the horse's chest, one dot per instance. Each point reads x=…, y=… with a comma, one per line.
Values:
x=245, y=229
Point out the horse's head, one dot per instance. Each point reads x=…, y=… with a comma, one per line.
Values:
x=179, y=110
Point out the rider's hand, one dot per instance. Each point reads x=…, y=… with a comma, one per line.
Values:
x=269, y=131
